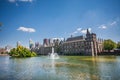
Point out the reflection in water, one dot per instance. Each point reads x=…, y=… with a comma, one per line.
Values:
x=65, y=68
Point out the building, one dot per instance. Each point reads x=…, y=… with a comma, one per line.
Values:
x=45, y=42
x=2, y=51
x=8, y=48
x=18, y=43
x=78, y=45
x=82, y=45
x=47, y=46
x=37, y=45
x=31, y=44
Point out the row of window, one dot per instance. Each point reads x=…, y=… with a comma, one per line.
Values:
x=78, y=43
x=77, y=47
x=77, y=50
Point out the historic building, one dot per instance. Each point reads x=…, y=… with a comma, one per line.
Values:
x=82, y=45
x=79, y=45
x=47, y=46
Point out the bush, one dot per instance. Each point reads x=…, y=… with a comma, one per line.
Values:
x=109, y=45
x=21, y=51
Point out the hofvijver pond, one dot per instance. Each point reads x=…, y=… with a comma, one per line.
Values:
x=64, y=68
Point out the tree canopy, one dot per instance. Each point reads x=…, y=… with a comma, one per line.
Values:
x=109, y=44
x=21, y=51
x=118, y=45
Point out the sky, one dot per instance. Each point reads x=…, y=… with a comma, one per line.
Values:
x=22, y=20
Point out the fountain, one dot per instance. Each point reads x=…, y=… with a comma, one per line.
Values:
x=53, y=55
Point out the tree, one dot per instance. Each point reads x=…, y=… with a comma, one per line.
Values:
x=109, y=45
x=21, y=51
x=57, y=48
x=118, y=45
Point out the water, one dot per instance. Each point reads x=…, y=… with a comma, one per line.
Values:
x=65, y=68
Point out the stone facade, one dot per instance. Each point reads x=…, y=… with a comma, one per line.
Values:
x=79, y=45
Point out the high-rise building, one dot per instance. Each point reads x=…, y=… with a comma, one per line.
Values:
x=18, y=43
x=46, y=42
x=8, y=48
x=37, y=45
x=31, y=44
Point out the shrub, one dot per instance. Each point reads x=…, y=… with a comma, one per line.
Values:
x=21, y=51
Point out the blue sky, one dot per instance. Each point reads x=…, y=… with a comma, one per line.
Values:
x=38, y=19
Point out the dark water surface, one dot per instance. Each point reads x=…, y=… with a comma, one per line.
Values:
x=65, y=68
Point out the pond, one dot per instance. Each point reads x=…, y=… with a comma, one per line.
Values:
x=64, y=68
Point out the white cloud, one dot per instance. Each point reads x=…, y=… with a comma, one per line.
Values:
x=26, y=0
x=80, y=30
x=84, y=31
x=25, y=29
x=102, y=26
x=57, y=38
x=105, y=26
x=16, y=4
x=75, y=32
x=113, y=23
x=90, y=29
x=14, y=1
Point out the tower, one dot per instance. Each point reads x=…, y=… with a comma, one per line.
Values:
x=37, y=44
x=92, y=43
x=31, y=44
x=18, y=43
x=88, y=35
x=45, y=42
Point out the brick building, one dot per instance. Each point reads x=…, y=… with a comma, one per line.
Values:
x=82, y=45
x=79, y=45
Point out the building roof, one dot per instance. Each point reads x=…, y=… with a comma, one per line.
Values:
x=75, y=38
x=74, y=41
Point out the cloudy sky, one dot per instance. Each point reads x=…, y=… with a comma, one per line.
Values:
x=38, y=19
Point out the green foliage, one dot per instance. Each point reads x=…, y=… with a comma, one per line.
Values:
x=118, y=45
x=109, y=44
x=57, y=48
x=20, y=51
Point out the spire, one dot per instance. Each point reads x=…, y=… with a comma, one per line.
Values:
x=88, y=31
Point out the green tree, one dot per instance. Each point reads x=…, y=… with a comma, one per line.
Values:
x=109, y=45
x=57, y=48
x=118, y=45
x=21, y=51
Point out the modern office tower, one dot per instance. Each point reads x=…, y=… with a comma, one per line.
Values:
x=31, y=44
x=18, y=43
x=8, y=48
x=46, y=42
x=37, y=45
